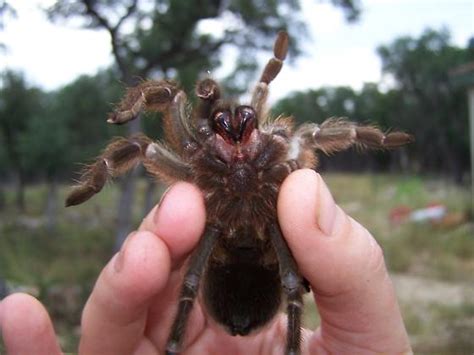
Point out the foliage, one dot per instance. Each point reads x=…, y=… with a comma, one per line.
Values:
x=317, y=105
x=423, y=102
x=6, y=10
x=18, y=104
x=43, y=145
x=147, y=41
x=44, y=133
x=367, y=106
x=429, y=104
x=156, y=45
x=82, y=107
x=351, y=8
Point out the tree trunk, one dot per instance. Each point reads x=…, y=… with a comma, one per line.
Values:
x=52, y=204
x=399, y=161
x=125, y=207
x=20, y=191
x=127, y=198
x=2, y=197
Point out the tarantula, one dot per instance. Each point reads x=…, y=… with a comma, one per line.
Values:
x=238, y=156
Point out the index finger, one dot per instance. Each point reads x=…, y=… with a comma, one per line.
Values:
x=119, y=303
x=178, y=220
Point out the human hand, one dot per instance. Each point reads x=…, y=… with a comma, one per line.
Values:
x=131, y=308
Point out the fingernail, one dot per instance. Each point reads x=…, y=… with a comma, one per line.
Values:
x=327, y=211
x=160, y=203
x=119, y=258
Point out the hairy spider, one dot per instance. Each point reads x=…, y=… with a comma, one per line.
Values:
x=238, y=156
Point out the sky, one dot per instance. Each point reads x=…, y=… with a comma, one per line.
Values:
x=338, y=53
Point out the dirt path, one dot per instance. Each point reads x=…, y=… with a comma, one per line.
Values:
x=439, y=315
x=413, y=289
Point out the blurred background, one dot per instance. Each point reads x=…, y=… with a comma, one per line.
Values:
x=406, y=65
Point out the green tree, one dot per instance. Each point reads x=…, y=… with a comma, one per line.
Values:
x=44, y=150
x=6, y=10
x=66, y=129
x=180, y=38
x=3, y=172
x=18, y=104
x=430, y=106
x=366, y=106
x=424, y=102
x=318, y=105
x=82, y=106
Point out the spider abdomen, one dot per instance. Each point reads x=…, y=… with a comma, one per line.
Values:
x=241, y=297
x=242, y=288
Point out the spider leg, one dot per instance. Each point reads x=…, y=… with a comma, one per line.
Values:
x=208, y=92
x=178, y=130
x=273, y=67
x=149, y=95
x=120, y=156
x=190, y=288
x=167, y=165
x=159, y=96
x=293, y=285
x=277, y=173
x=335, y=135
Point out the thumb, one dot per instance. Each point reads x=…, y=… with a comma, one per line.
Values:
x=345, y=267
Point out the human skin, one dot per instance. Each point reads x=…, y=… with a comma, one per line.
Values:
x=132, y=305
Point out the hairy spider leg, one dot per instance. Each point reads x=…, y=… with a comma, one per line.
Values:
x=120, y=156
x=293, y=286
x=337, y=134
x=159, y=96
x=149, y=95
x=208, y=92
x=190, y=287
x=124, y=153
x=178, y=127
x=273, y=67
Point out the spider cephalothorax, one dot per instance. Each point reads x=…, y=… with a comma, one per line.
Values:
x=238, y=156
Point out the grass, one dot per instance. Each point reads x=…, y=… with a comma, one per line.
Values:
x=60, y=266
x=437, y=251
